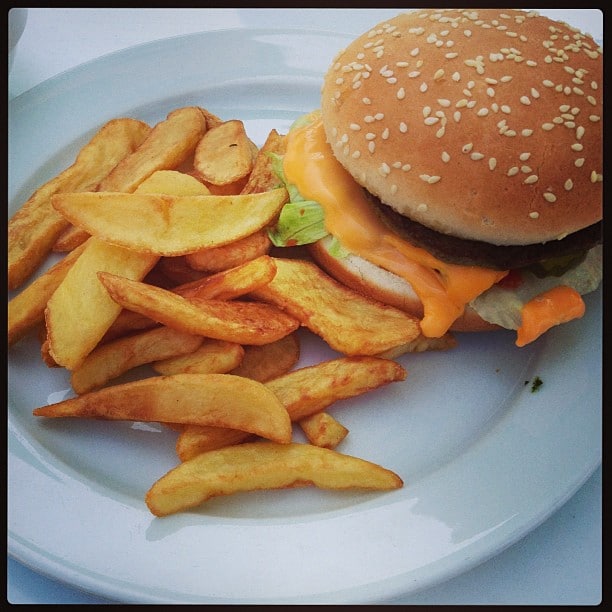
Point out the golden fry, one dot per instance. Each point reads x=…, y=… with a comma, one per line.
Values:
x=217, y=259
x=169, y=143
x=349, y=322
x=259, y=466
x=80, y=311
x=112, y=359
x=263, y=363
x=35, y=227
x=169, y=225
x=322, y=429
x=263, y=177
x=221, y=400
x=224, y=154
x=27, y=309
x=240, y=322
x=212, y=357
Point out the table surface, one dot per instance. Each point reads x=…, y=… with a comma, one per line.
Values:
x=560, y=562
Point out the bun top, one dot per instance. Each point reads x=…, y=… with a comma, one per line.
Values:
x=485, y=124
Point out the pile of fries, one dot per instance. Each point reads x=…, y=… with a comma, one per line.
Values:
x=166, y=261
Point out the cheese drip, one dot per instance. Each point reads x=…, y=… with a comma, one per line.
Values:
x=443, y=288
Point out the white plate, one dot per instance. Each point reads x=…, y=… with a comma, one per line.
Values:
x=484, y=459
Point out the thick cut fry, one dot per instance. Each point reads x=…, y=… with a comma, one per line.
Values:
x=207, y=399
x=240, y=322
x=260, y=466
x=269, y=361
x=349, y=322
x=235, y=253
x=112, y=359
x=169, y=225
x=322, y=429
x=303, y=392
x=232, y=283
x=80, y=311
x=263, y=177
x=224, y=154
x=70, y=239
x=173, y=182
x=27, y=309
x=36, y=225
x=225, y=285
x=170, y=142
x=212, y=357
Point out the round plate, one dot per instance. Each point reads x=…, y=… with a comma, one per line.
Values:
x=484, y=458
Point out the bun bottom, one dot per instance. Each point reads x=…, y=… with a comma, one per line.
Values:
x=379, y=284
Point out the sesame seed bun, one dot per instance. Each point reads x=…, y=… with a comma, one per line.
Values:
x=483, y=124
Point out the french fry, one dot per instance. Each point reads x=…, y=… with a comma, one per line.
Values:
x=263, y=363
x=224, y=154
x=303, y=392
x=232, y=283
x=217, y=259
x=322, y=429
x=112, y=359
x=69, y=239
x=349, y=322
x=169, y=225
x=221, y=400
x=169, y=143
x=172, y=182
x=212, y=357
x=27, y=309
x=80, y=311
x=240, y=322
x=225, y=285
x=34, y=228
x=261, y=466
x=262, y=177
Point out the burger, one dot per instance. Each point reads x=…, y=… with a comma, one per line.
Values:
x=454, y=170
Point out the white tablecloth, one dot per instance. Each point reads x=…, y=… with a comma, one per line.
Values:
x=560, y=561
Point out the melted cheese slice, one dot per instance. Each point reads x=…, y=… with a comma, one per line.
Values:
x=443, y=288
x=558, y=305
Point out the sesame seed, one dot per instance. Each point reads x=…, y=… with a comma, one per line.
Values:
x=403, y=128
x=431, y=120
x=579, y=132
x=548, y=126
x=524, y=156
x=444, y=102
x=534, y=214
x=401, y=93
x=457, y=116
x=445, y=157
x=456, y=77
x=579, y=162
x=366, y=100
x=505, y=109
x=355, y=127
x=483, y=112
x=513, y=171
x=370, y=136
x=438, y=74
x=549, y=197
x=426, y=111
x=406, y=167
x=525, y=100
x=371, y=146
x=467, y=147
x=385, y=134
x=568, y=184
x=423, y=87
x=422, y=208
x=576, y=147
x=384, y=169
x=476, y=156
x=379, y=116
x=393, y=189
x=356, y=154
x=492, y=163
x=533, y=178
x=526, y=132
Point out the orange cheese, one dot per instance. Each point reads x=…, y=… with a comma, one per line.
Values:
x=443, y=288
x=553, y=307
